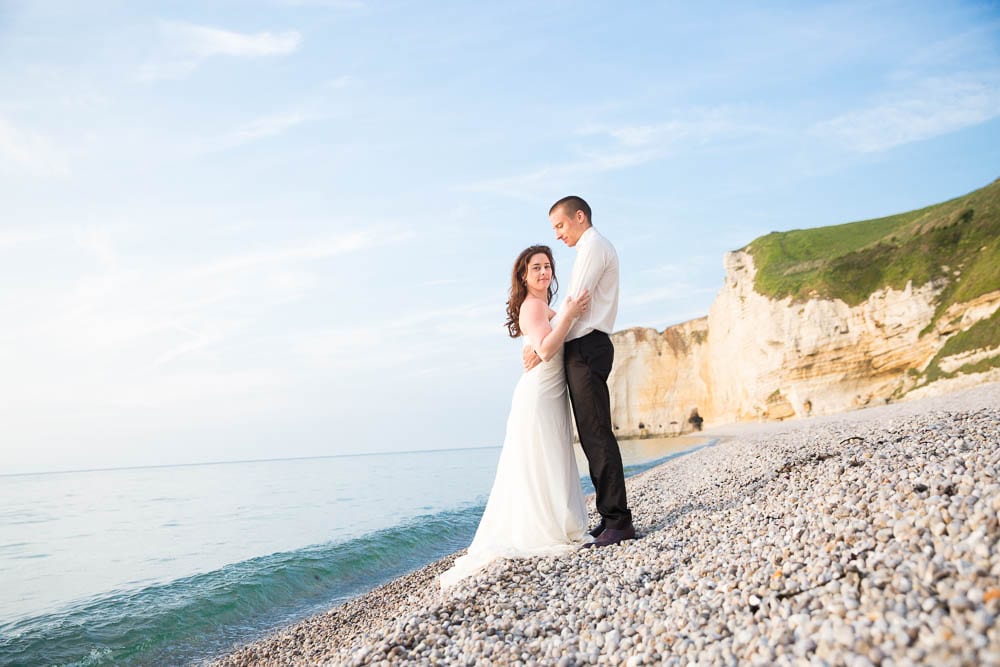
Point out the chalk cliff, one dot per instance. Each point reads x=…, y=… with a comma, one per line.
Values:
x=759, y=358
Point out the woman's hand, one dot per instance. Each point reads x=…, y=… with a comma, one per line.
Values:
x=578, y=306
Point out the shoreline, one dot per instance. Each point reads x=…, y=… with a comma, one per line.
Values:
x=783, y=542
x=359, y=612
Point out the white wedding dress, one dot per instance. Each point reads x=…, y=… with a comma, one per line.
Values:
x=536, y=506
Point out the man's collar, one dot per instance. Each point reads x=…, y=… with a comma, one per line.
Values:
x=586, y=236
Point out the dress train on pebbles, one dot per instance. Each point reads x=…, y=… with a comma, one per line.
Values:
x=536, y=506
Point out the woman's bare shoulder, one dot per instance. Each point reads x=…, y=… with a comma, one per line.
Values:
x=534, y=306
x=533, y=313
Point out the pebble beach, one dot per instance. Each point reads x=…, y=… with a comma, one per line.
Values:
x=864, y=538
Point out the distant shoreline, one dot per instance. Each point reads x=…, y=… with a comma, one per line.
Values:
x=154, y=466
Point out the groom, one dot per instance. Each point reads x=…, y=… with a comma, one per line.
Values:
x=588, y=355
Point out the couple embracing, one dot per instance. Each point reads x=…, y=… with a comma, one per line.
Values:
x=536, y=506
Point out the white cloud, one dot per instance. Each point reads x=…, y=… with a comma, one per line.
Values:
x=936, y=106
x=203, y=41
x=957, y=51
x=696, y=126
x=260, y=128
x=420, y=336
x=23, y=151
x=196, y=342
x=131, y=314
x=129, y=346
x=532, y=184
x=614, y=147
x=186, y=46
x=310, y=250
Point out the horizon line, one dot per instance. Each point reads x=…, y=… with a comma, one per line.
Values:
x=265, y=460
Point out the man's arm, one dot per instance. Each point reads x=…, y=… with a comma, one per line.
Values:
x=588, y=269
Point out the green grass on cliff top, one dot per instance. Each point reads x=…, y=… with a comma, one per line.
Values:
x=852, y=260
x=982, y=335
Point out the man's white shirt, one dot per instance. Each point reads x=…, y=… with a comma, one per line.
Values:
x=596, y=269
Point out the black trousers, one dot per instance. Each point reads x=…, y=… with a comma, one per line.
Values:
x=588, y=363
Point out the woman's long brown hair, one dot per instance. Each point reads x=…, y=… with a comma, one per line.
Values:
x=518, y=289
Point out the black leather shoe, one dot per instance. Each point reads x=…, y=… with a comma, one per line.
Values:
x=613, y=536
x=598, y=529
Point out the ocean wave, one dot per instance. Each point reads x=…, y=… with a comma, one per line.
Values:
x=193, y=618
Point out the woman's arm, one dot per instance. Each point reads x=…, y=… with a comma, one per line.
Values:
x=534, y=322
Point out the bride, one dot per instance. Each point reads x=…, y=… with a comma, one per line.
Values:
x=536, y=506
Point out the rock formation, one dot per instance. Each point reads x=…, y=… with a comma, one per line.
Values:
x=757, y=358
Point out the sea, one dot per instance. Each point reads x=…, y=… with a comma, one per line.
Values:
x=176, y=565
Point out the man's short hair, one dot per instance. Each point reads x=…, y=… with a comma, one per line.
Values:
x=571, y=204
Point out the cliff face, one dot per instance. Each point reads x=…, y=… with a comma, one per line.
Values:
x=758, y=358
x=657, y=378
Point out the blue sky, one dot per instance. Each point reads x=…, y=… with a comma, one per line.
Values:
x=239, y=230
